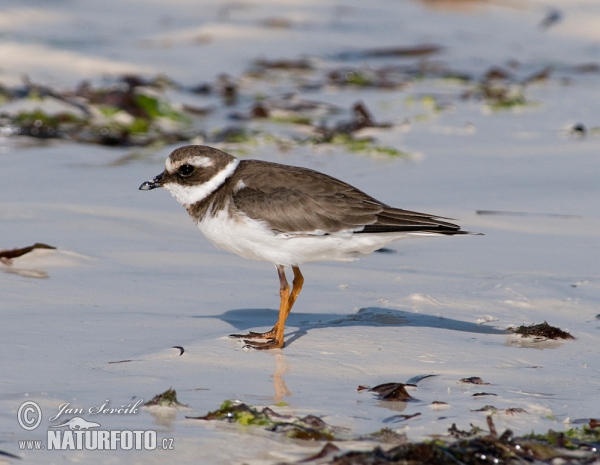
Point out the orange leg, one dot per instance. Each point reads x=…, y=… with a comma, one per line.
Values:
x=297, y=287
x=287, y=300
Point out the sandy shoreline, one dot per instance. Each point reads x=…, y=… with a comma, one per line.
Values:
x=132, y=276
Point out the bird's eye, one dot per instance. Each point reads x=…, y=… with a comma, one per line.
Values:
x=186, y=170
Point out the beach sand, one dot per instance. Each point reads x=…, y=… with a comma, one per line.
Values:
x=95, y=320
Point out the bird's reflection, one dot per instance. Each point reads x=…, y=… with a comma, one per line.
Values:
x=281, y=368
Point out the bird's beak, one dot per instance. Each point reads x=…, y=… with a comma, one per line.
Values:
x=155, y=182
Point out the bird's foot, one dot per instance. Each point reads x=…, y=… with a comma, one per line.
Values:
x=253, y=335
x=270, y=344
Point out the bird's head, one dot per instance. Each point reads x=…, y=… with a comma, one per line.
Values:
x=193, y=172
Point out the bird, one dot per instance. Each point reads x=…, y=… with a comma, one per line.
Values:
x=285, y=215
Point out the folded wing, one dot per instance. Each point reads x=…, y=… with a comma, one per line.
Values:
x=301, y=201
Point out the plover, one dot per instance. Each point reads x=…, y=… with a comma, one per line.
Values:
x=285, y=215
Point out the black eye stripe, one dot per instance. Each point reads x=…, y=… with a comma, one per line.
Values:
x=186, y=170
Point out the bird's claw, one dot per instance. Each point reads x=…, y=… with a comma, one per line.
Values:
x=254, y=335
x=270, y=344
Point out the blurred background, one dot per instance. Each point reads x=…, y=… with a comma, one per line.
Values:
x=484, y=111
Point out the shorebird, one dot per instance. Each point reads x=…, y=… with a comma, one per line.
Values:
x=285, y=215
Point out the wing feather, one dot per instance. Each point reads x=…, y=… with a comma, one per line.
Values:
x=301, y=201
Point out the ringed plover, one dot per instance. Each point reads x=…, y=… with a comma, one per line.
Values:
x=285, y=215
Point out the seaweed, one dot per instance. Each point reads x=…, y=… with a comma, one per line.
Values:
x=165, y=399
x=131, y=111
x=498, y=96
x=400, y=418
x=476, y=447
x=344, y=133
x=385, y=436
x=135, y=111
x=15, y=253
x=405, y=52
x=308, y=428
x=232, y=135
x=237, y=412
x=378, y=78
x=44, y=126
x=302, y=64
x=327, y=451
x=473, y=446
x=541, y=331
x=181, y=350
x=389, y=391
x=473, y=380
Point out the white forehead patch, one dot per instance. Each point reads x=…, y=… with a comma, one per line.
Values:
x=189, y=195
x=198, y=162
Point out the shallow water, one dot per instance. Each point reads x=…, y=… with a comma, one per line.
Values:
x=133, y=277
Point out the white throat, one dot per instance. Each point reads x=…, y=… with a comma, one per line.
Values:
x=189, y=195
